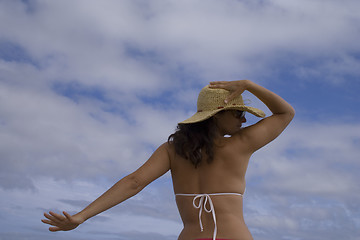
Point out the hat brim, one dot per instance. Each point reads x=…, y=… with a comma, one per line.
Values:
x=203, y=115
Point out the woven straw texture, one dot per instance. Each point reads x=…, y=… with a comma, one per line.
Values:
x=211, y=101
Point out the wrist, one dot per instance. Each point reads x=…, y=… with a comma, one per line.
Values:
x=246, y=84
x=81, y=217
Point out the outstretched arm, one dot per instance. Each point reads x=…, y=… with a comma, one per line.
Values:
x=157, y=165
x=269, y=128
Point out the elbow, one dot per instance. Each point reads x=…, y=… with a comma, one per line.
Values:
x=291, y=113
x=287, y=115
x=134, y=183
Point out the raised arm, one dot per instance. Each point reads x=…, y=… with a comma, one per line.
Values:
x=157, y=165
x=268, y=129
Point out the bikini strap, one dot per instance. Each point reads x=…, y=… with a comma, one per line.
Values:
x=203, y=200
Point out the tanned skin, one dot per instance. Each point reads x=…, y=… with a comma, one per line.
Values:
x=226, y=173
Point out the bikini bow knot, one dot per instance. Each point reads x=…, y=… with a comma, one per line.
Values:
x=203, y=200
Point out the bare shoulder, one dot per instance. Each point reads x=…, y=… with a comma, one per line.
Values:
x=240, y=141
x=169, y=147
x=265, y=131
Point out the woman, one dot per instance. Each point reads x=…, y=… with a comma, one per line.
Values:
x=208, y=157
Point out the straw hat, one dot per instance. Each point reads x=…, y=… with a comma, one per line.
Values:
x=211, y=101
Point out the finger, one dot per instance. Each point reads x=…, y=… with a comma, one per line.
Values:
x=232, y=96
x=218, y=82
x=220, y=85
x=216, y=86
x=54, y=229
x=68, y=216
x=51, y=218
x=57, y=216
x=49, y=222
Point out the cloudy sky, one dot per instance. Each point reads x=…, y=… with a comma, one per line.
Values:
x=89, y=89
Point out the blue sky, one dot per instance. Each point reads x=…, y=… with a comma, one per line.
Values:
x=88, y=90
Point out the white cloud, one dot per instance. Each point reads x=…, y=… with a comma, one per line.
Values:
x=43, y=131
x=75, y=195
x=219, y=40
x=305, y=182
x=311, y=158
x=131, y=51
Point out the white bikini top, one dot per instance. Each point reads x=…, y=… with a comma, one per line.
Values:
x=203, y=199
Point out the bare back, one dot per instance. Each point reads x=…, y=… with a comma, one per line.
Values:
x=225, y=174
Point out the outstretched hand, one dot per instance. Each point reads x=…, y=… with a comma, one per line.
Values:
x=60, y=222
x=235, y=88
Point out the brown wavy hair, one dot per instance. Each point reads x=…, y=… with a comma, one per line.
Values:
x=190, y=139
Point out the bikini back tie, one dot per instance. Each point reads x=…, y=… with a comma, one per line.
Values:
x=204, y=198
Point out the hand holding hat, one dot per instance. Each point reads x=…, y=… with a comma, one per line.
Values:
x=220, y=96
x=235, y=88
